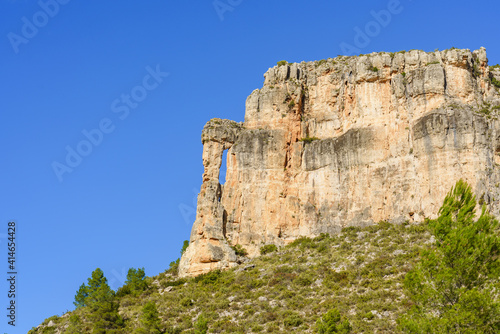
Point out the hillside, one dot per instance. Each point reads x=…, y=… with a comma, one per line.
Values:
x=359, y=271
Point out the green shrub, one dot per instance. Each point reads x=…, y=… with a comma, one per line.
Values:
x=282, y=275
x=177, y=282
x=208, y=278
x=495, y=82
x=268, y=249
x=150, y=319
x=331, y=322
x=304, y=280
x=187, y=302
x=239, y=250
x=373, y=69
x=321, y=237
x=293, y=320
x=174, y=265
x=201, y=325
x=303, y=242
x=75, y=325
x=282, y=62
x=485, y=111
x=308, y=139
x=173, y=330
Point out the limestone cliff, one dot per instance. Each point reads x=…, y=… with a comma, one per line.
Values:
x=346, y=141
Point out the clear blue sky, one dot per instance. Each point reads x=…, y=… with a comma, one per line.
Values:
x=130, y=201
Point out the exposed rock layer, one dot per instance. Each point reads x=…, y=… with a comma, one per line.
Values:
x=346, y=141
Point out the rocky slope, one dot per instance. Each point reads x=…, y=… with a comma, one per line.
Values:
x=346, y=141
x=359, y=271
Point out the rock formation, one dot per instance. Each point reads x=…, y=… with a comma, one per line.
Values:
x=346, y=141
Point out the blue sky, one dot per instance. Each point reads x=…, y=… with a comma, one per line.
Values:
x=141, y=78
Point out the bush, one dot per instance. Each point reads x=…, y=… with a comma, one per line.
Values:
x=150, y=319
x=308, y=139
x=187, y=302
x=495, y=82
x=303, y=280
x=268, y=249
x=452, y=287
x=282, y=62
x=178, y=282
x=293, y=320
x=208, y=278
x=239, y=250
x=174, y=265
x=201, y=325
x=331, y=322
x=75, y=325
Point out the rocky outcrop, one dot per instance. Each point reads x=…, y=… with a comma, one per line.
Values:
x=346, y=141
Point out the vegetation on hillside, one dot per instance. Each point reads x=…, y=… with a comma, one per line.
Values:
x=455, y=286
x=440, y=276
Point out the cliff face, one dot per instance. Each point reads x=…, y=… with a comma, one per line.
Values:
x=346, y=141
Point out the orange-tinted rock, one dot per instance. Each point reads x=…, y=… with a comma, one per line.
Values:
x=346, y=141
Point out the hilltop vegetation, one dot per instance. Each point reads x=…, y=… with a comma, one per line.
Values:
x=440, y=276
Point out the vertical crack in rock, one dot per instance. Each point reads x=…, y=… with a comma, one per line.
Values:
x=342, y=142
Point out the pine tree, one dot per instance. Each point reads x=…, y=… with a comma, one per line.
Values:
x=136, y=280
x=98, y=289
x=81, y=296
x=452, y=286
x=184, y=246
x=100, y=299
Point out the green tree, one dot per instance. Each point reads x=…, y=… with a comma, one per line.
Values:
x=174, y=265
x=331, y=322
x=81, y=296
x=105, y=318
x=184, y=246
x=136, y=280
x=96, y=290
x=100, y=299
x=452, y=287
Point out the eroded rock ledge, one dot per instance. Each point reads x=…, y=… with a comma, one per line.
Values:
x=346, y=141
